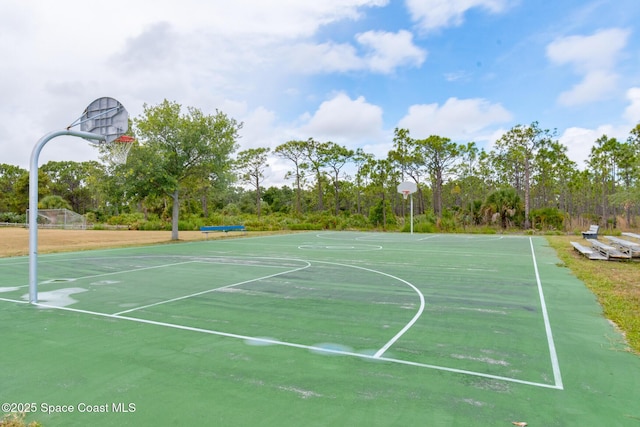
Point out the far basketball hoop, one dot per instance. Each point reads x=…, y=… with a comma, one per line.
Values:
x=406, y=188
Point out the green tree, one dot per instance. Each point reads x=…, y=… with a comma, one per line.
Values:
x=315, y=161
x=381, y=177
x=335, y=157
x=627, y=194
x=76, y=182
x=407, y=158
x=179, y=148
x=9, y=177
x=473, y=189
x=360, y=159
x=516, y=154
x=603, y=161
x=279, y=199
x=22, y=190
x=251, y=164
x=439, y=155
x=551, y=173
x=295, y=152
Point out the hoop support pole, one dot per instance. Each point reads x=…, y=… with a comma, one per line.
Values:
x=33, y=203
x=411, y=195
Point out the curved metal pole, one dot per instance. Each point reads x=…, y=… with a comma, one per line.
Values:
x=33, y=204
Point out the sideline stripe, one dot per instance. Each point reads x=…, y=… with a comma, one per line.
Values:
x=547, y=325
x=301, y=346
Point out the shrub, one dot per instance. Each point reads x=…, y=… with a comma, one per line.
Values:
x=13, y=217
x=355, y=221
x=379, y=212
x=547, y=219
x=421, y=227
x=131, y=219
x=231, y=209
x=17, y=420
x=305, y=226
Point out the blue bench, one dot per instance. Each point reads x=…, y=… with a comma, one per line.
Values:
x=226, y=228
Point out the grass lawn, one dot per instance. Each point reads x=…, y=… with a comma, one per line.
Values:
x=615, y=283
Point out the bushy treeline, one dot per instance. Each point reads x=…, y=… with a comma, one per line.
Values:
x=184, y=171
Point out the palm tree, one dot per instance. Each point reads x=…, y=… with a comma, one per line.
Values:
x=505, y=203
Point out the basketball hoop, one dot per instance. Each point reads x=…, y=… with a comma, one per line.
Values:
x=102, y=122
x=118, y=150
x=406, y=188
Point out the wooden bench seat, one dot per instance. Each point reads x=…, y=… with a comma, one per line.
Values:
x=609, y=251
x=630, y=248
x=587, y=251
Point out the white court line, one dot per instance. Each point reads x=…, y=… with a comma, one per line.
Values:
x=547, y=325
x=408, y=325
x=14, y=300
x=211, y=290
x=121, y=271
x=378, y=354
x=415, y=318
x=301, y=346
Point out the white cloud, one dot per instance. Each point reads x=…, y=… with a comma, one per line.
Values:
x=632, y=112
x=595, y=58
x=595, y=85
x=390, y=50
x=345, y=121
x=210, y=55
x=321, y=58
x=384, y=52
x=580, y=140
x=458, y=119
x=435, y=14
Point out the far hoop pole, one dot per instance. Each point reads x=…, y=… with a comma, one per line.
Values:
x=33, y=204
x=411, y=209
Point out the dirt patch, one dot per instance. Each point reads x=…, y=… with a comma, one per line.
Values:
x=15, y=241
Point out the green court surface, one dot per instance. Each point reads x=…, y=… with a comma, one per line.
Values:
x=313, y=329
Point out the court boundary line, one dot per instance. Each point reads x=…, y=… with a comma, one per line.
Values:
x=555, y=363
x=300, y=346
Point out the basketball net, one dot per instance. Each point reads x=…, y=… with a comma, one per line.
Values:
x=118, y=150
x=405, y=194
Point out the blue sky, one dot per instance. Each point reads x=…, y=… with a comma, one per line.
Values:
x=349, y=71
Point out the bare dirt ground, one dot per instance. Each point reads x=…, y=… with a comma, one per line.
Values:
x=15, y=241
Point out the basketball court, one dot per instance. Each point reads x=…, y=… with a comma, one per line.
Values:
x=338, y=328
